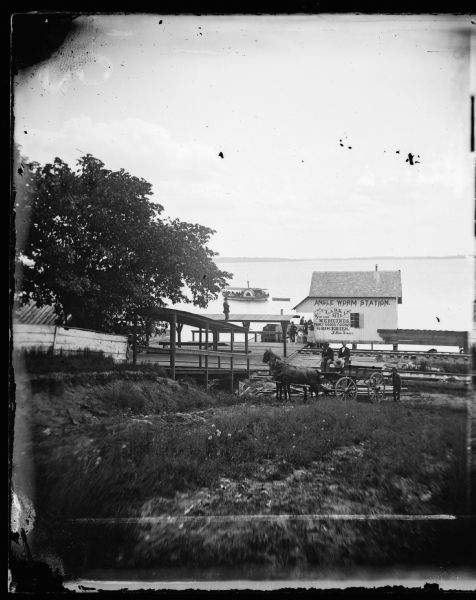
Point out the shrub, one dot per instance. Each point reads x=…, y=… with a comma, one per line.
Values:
x=128, y=397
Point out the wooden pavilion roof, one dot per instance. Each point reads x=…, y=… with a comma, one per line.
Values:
x=252, y=318
x=188, y=318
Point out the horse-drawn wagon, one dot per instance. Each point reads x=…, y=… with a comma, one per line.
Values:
x=345, y=383
x=342, y=382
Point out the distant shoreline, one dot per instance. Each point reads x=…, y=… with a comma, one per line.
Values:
x=237, y=259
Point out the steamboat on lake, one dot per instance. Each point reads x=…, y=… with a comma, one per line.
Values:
x=246, y=294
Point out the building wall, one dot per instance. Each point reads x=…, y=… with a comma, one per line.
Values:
x=62, y=339
x=333, y=322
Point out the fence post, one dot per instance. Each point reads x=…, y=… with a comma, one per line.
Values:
x=54, y=338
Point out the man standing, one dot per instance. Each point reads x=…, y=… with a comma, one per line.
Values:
x=226, y=309
x=327, y=356
x=397, y=384
x=292, y=332
x=311, y=337
x=344, y=353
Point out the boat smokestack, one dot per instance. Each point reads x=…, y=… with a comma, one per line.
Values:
x=377, y=275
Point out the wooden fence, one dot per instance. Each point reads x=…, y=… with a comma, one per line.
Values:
x=66, y=339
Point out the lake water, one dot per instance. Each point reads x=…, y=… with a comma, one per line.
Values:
x=431, y=288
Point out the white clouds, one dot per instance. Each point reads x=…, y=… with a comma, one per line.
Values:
x=188, y=177
x=275, y=95
x=146, y=149
x=118, y=33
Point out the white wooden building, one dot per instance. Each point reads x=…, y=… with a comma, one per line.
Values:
x=351, y=306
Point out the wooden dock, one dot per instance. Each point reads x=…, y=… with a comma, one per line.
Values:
x=187, y=357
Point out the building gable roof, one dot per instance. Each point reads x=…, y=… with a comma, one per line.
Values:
x=35, y=315
x=359, y=284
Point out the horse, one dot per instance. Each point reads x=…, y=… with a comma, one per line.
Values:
x=274, y=367
x=285, y=374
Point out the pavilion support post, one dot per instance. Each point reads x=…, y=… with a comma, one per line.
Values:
x=134, y=341
x=395, y=347
x=179, y=334
x=246, y=325
x=206, y=358
x=354, y=346
x=215, y=344
x=284, y=327
x=200, y=347
x=173, y=327
x=232, y=339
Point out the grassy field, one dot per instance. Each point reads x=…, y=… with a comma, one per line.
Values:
x=161, y=449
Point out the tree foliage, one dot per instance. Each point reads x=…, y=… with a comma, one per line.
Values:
x=97, y=247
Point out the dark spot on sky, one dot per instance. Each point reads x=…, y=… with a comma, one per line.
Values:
x=397, y=152
x=160, y=22
x=25, y=131
x=35, y=38
x=220, y=154
x=411, y=159
x=340, y=143
x=438, y=319
x=349, y=147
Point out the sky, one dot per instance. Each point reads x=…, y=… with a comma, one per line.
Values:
x=315, y=116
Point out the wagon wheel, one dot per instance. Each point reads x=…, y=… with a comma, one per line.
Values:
x=346, y=389
x=376, y=387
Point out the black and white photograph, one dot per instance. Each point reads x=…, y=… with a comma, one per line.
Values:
x=242, y=301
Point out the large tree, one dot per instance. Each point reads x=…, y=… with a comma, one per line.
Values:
x=97, y=247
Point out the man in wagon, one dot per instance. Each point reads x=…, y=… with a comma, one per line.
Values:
x=344, y=353
x=327, y=356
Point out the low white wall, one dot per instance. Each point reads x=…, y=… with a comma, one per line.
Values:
x=46, y=337
x=33, y=336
